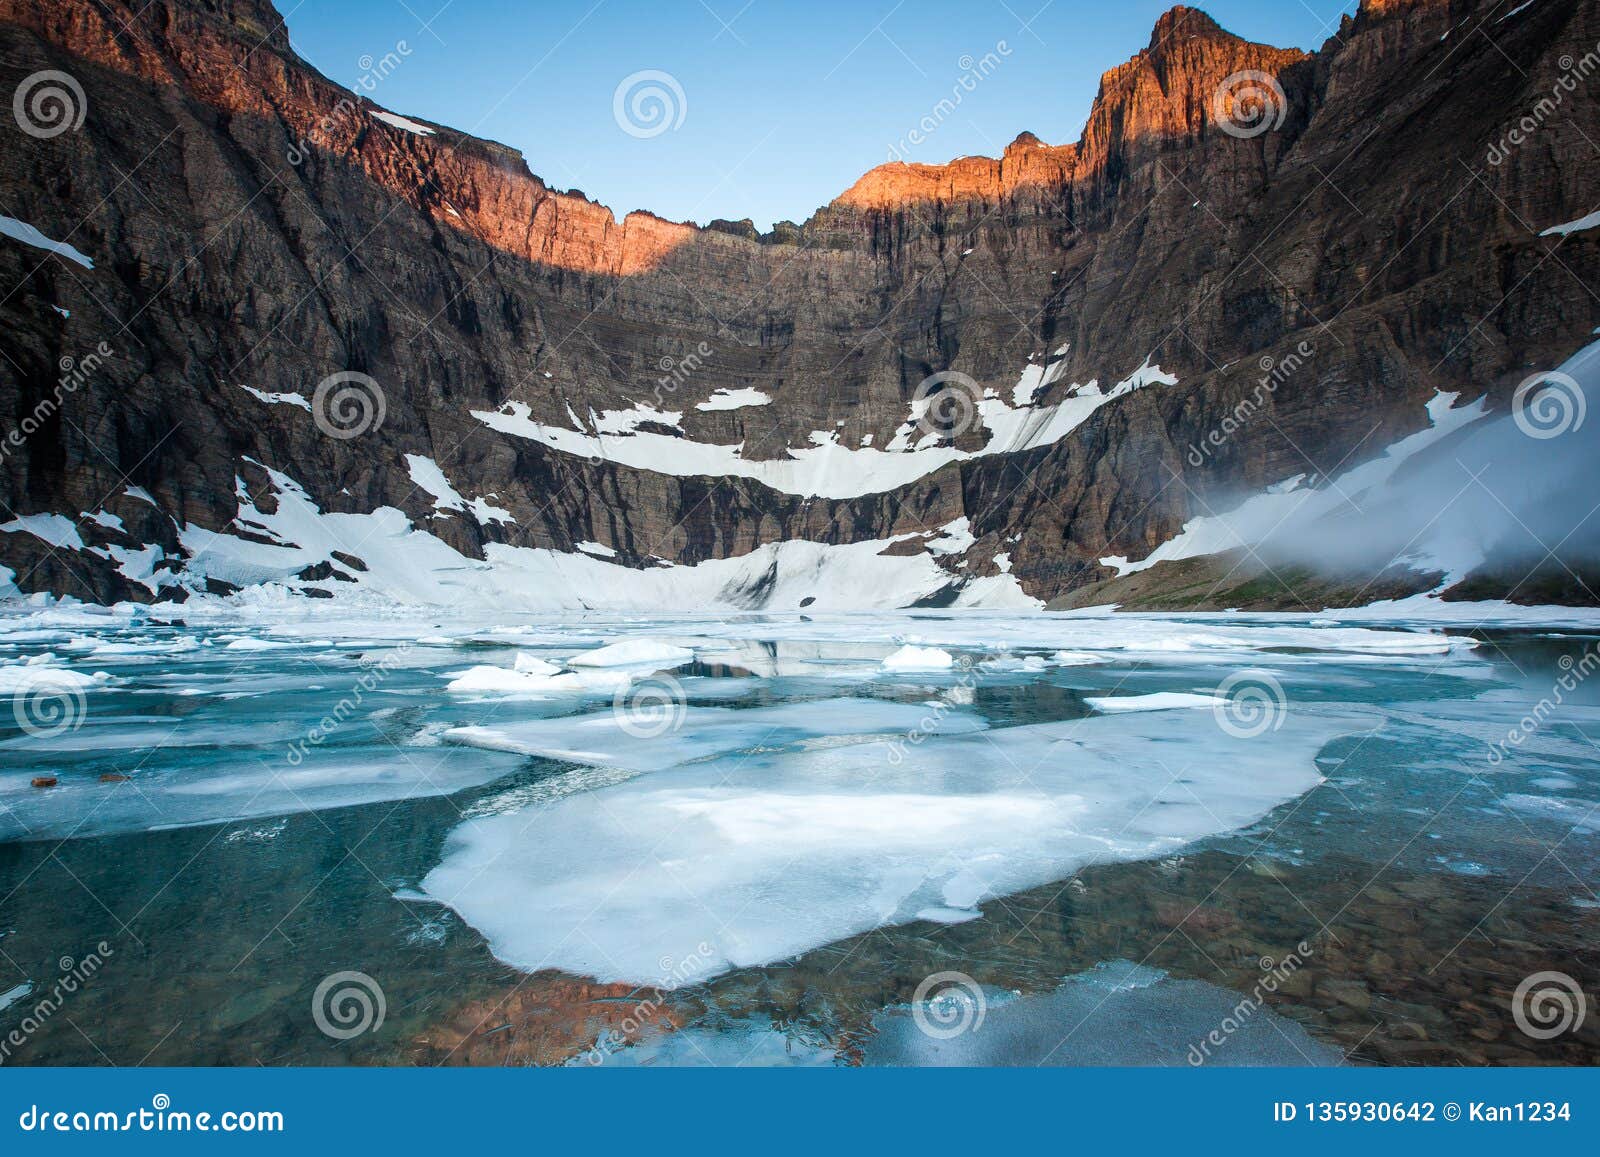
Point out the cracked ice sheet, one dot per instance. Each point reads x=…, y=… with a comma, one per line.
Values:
x=764, y=856
x=605, y=739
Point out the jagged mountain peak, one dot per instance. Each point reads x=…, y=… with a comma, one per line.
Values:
x=1183, y=22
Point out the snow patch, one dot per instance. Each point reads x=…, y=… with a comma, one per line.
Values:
x=401, y=122
x=286, y=398
x=28, y=235
x=824, y=469
x=58, y=530
x=1578, y=226
x=726, y=399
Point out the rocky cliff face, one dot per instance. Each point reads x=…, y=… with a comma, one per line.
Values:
x=661, y=393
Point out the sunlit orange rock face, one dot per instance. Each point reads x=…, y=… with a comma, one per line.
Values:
x=1168, y=91
x=1026, y=161
x=237, y=58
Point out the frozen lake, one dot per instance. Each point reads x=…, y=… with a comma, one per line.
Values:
x=676, y=840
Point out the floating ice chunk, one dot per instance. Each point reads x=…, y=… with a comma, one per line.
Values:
x=527, y=664
x=12, y=995
x=505, y=681
x=253, y=644
x=635, y=653
x=913, y=658
x=1076, y=659
x=44, y=679
x=941, y=915
x=239, y=786
x=1159, y=701
x=140, y=733
x=1577, y=815
x=1008, y=663
x=100, y=648
x=764, y=855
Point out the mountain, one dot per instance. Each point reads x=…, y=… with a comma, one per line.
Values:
x=258, y=329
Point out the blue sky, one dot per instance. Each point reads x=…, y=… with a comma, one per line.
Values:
x=784, y=104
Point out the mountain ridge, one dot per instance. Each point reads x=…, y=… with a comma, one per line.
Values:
x=443, y=268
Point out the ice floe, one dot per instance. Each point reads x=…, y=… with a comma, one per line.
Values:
x=490, y=680
x=237, y=784
x=1156, y=701
x=764, y=855
x=633, y=653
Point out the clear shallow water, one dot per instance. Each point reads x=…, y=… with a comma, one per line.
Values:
x=519, y=871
